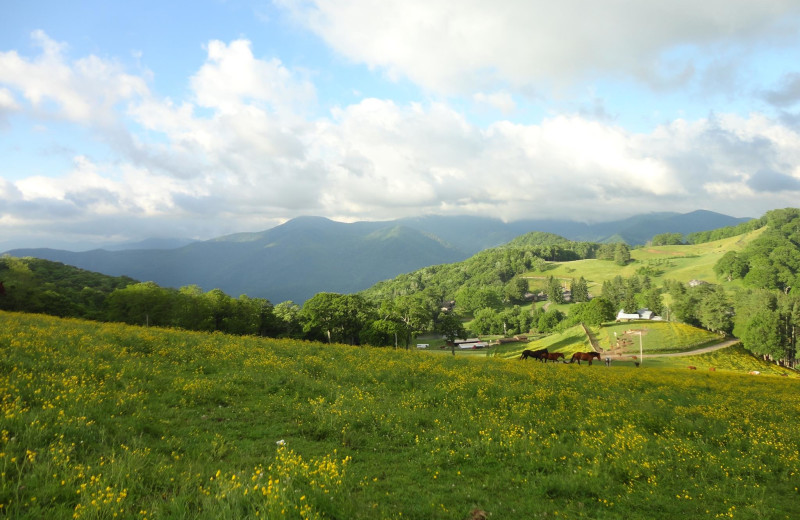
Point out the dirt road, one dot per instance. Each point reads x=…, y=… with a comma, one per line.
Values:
x=717, y=346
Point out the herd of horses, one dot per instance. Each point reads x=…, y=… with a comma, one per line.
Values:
x=544, y=355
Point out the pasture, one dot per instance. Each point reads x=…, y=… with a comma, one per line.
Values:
x=112, y=421
x=682, y=263
x=623, y=338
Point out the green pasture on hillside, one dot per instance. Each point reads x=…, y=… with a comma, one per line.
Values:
x=682, y=263
x=656, y=336
x=660, y=340
x=112, y=421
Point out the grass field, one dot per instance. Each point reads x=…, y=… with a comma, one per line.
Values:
x=657, y=337
x=111, y=421
x=682, y=263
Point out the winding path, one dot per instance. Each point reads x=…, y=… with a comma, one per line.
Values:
x=717, y=346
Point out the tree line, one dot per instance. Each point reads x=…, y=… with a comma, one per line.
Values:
x=487, y=288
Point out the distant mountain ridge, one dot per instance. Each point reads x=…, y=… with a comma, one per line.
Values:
x=473, y=234
x=308, y=255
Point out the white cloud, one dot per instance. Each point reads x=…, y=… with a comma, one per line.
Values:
x=500, y=100
x=472, y=45
x=7, y=101
x=85, y=91
x=233, y=78
x=240, y=153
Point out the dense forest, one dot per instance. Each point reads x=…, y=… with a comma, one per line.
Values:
x=486, y=291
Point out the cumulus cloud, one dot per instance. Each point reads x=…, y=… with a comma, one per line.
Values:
x=500, y=100
x=471, y=45
x=85, y=91
x=772, y=182
x=7, y=101
x=7, y=105
x=239, y=154
x=787, y=94
x=232, y=78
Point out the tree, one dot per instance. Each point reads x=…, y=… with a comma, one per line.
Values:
x=252, y=316
x=515, y=320
x=731, y=266
x=288, y=316
x=353, y=313
x=487, y=321
x=762, y=274
x=686, y=303
x=415, y=314
x=715, y=311
x=451, y=326
x=516, y=289
x=652, y=299
x=580, y=290
x=320, y=313
x=191, y=310
x=554, y=291
x=220, y=306
x=550, y=320
x=762, y=335
x=141, y=304
x=595, y=312
x=622, y=253
x=667, y=239
x=633, y=289
x=790, y=310
x=614, y=291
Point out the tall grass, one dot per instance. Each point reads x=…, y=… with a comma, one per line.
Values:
x=111, y=421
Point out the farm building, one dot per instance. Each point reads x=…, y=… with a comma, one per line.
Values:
x=641, y=314
x=471, y=343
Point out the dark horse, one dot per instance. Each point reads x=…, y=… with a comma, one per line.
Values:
x=535, y=354
x=584, y=356
x=553, y=356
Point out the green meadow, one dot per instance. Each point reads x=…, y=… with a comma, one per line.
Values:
x=624, y=338
x=113, y=421
x=682, y=263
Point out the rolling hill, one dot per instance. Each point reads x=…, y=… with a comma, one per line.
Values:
x=113, y=421
x=290, y=262
x=308, y=255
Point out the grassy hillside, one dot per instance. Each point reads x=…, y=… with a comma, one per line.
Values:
x=105, y=421
x=682, y=263
x=623, y=338
x=658, y=339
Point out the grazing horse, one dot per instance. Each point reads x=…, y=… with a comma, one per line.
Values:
x=535, y=354
x=553, y=356
x=584, y=356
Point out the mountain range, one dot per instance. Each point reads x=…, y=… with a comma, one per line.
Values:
x=308, y=255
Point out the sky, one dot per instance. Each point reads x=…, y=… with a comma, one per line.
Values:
x=121, y=121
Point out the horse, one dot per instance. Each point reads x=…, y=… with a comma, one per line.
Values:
x=553, y=356
x=585, y=356
x=535, y=354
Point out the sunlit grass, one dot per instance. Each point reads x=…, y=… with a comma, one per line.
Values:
x=682, y=263
x=98, y=420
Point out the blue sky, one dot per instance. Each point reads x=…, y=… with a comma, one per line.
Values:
x=121, y=121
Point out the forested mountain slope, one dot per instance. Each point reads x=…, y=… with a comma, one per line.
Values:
x=290, y=262
x=309, y=255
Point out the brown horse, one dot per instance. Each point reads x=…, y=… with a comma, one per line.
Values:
x=535, y=354
x=584, y=356
x=553, y=356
